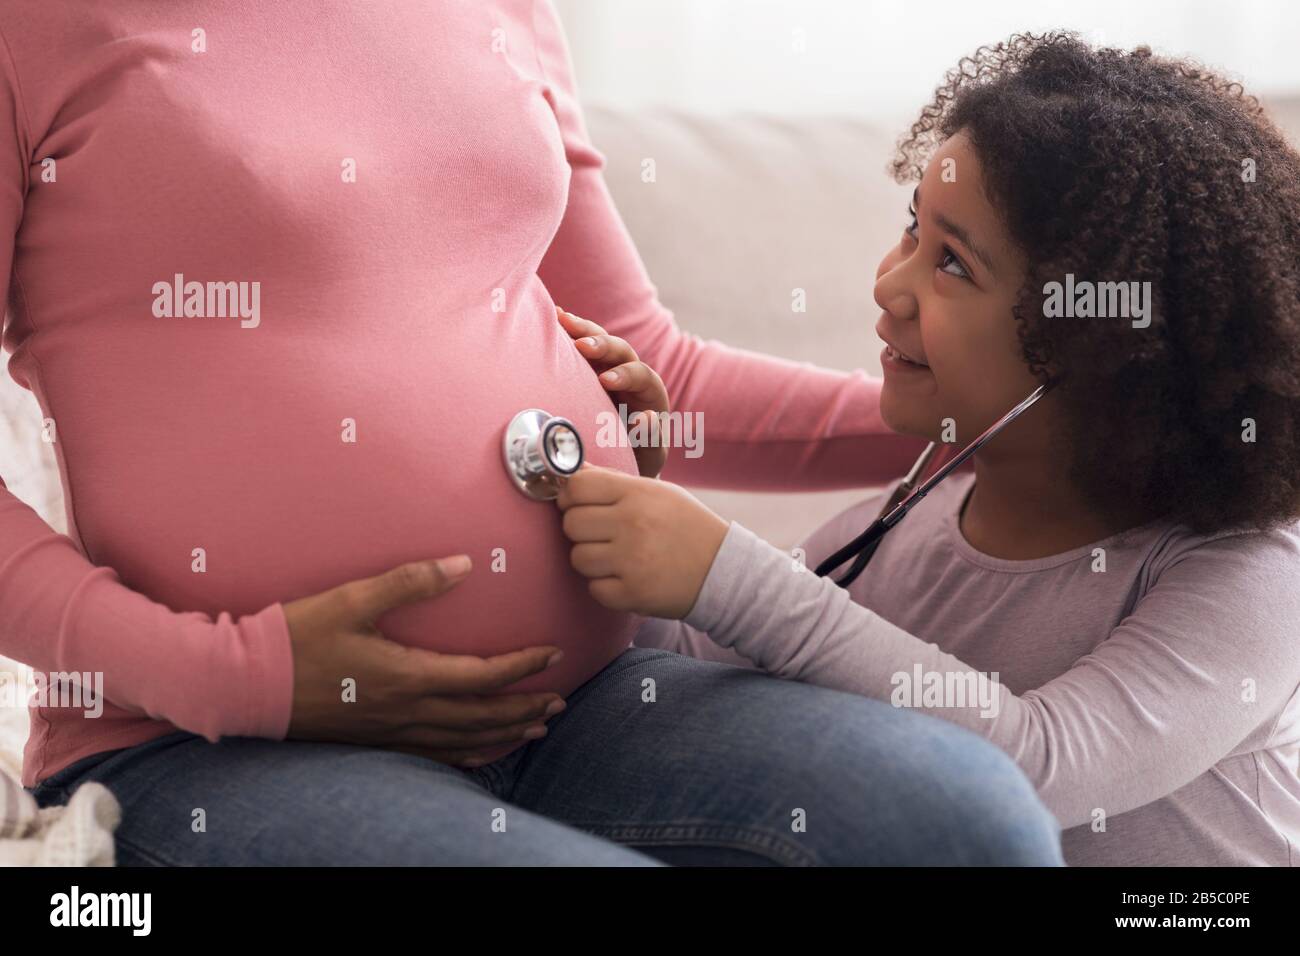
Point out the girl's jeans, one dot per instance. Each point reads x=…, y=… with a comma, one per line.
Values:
x=659, y=758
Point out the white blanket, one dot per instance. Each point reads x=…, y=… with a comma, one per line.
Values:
x=78, y=834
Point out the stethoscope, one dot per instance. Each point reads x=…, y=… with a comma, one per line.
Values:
x=904, y=498
x=543, y=450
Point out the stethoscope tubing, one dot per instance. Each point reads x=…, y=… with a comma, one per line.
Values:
x=901, y=502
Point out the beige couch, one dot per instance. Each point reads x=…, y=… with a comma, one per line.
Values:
x=742, y=213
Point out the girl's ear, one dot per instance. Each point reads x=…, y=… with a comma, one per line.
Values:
x=1048, y=373
x=1043, y=367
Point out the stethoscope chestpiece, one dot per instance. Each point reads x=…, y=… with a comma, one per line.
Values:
x=541, y=451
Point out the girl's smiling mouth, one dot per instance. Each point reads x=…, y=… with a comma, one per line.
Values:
x=895, y=358
x=893, y=355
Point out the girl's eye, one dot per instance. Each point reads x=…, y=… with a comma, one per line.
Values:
x=950, y=264
x=950, y=259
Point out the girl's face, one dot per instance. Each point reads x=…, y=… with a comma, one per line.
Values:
x=946, y=291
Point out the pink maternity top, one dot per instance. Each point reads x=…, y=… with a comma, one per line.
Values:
x=279, y=274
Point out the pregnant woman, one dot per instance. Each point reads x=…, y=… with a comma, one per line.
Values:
x=279, y=274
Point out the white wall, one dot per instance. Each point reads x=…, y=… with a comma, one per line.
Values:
x=883, y=59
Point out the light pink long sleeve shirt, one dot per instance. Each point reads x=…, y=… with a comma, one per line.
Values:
x=1148, y=684
x=412, y=189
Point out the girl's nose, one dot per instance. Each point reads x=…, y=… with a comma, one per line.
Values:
x=893, y=292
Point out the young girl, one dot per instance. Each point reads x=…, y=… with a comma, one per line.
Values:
x=1113, y=595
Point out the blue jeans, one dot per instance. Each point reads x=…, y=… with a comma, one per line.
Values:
x=725, y=766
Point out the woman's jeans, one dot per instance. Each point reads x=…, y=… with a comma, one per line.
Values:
x=659, y=758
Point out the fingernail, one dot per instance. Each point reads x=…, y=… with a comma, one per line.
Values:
x=554, y=708
x=610, y=376
x=455, y=567
x=591, y=340
x=554, y=658
x=532, y=733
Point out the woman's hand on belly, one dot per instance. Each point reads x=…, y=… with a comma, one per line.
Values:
x=629, y=382
x=352, y=685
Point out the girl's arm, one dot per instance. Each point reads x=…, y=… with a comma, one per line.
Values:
x=769, y=423
x=1154, y=706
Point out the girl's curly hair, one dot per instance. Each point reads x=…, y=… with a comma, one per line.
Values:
x=1124, y=166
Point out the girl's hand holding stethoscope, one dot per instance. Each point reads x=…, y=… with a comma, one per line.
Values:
x=647, y=545
x=633, y=383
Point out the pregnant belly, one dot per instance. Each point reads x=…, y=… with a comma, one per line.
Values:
x=269, y=477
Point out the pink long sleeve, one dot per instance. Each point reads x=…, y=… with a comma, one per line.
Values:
x=769, y=423
x=389, y=219
x=62, y=614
